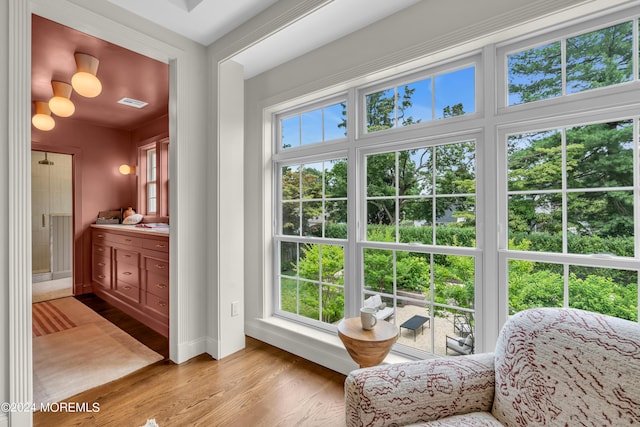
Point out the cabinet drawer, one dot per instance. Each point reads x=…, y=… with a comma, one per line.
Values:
x=127, y=273
x=101, y=272
x=158, y=285
x=157, y=304
x=99, y=236
x=101, y=251
x=157, y=266
x=127, y=257
x=156, y=245
x=126, y=240
x=128, y=291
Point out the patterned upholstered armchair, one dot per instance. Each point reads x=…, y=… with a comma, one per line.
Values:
x=551, y=367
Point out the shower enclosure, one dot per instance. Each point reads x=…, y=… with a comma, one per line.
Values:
x=52, y=220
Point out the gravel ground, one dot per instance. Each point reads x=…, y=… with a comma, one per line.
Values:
x=433, y=334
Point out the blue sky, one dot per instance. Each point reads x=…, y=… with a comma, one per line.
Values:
x=449, y=89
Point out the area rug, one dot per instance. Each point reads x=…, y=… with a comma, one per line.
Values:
x=75, y=349
x=51, y=289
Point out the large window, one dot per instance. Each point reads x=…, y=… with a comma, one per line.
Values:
x=452, y=200
x=416, y=248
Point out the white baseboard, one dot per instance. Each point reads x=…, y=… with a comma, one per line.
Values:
x=189, y=350
x=212, y=347
x=4, y=420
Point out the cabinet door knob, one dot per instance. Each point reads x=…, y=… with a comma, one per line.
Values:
x=159, y=266
x=161, y=285
x=101, y=264
x=162, y=304
x=160, y=245
x=126, y=288
x=101, y=276
x=127, y=273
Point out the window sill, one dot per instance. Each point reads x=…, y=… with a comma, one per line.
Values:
x=323, y=348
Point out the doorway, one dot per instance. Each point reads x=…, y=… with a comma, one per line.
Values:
x=52, y=225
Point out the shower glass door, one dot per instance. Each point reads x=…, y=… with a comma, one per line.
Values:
x=52, y=223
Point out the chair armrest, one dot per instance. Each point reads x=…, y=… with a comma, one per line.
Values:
x=420, y=391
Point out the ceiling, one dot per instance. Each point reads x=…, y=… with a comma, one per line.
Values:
x=124, y=73
x=205, y=21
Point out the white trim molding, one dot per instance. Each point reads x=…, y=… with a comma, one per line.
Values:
x=18, y=209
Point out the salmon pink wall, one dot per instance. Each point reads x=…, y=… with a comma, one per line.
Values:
x=153, y=129
x=98, y=186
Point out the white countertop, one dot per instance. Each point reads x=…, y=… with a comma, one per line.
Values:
x=134, y=229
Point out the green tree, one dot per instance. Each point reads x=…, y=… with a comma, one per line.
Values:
x=324, y=265
x=598, y=155
x=453, y=110
x=298, y=185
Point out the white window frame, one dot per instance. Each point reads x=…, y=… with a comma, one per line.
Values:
x=493, y=120
x=354, y=147
x=595, y=260
x=476, y=252
x=564, y=32
x=320, y=104
x=473, y=59
x=305, y=154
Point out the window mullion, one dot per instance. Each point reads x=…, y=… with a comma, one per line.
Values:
x=565, y=216
x=636, y=186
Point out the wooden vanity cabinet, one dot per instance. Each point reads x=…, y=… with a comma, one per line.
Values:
x=130, y=270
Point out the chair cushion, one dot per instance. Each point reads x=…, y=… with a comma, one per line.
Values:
x=567, y=367
x=384, y=313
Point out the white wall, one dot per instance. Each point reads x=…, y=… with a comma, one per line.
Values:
x=225, y=199
x=422, y=34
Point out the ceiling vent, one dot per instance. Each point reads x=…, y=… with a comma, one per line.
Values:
x=133, y=103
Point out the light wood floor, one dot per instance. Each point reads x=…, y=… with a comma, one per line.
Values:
x=258, y=386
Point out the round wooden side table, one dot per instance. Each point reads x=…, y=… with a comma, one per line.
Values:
x=367, y=347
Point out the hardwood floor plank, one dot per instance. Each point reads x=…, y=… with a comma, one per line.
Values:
x=258, y=386
x=133, y=327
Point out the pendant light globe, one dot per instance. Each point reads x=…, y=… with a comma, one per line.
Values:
x=42, y=118
x=60, y=104
x=85, y=82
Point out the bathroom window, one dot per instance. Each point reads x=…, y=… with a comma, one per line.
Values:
x=152, y=183
x=153, y=191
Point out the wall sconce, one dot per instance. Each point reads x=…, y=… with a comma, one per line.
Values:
x=42, y=118
x=60, y=104
x=127, y=170
x=85, y=82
